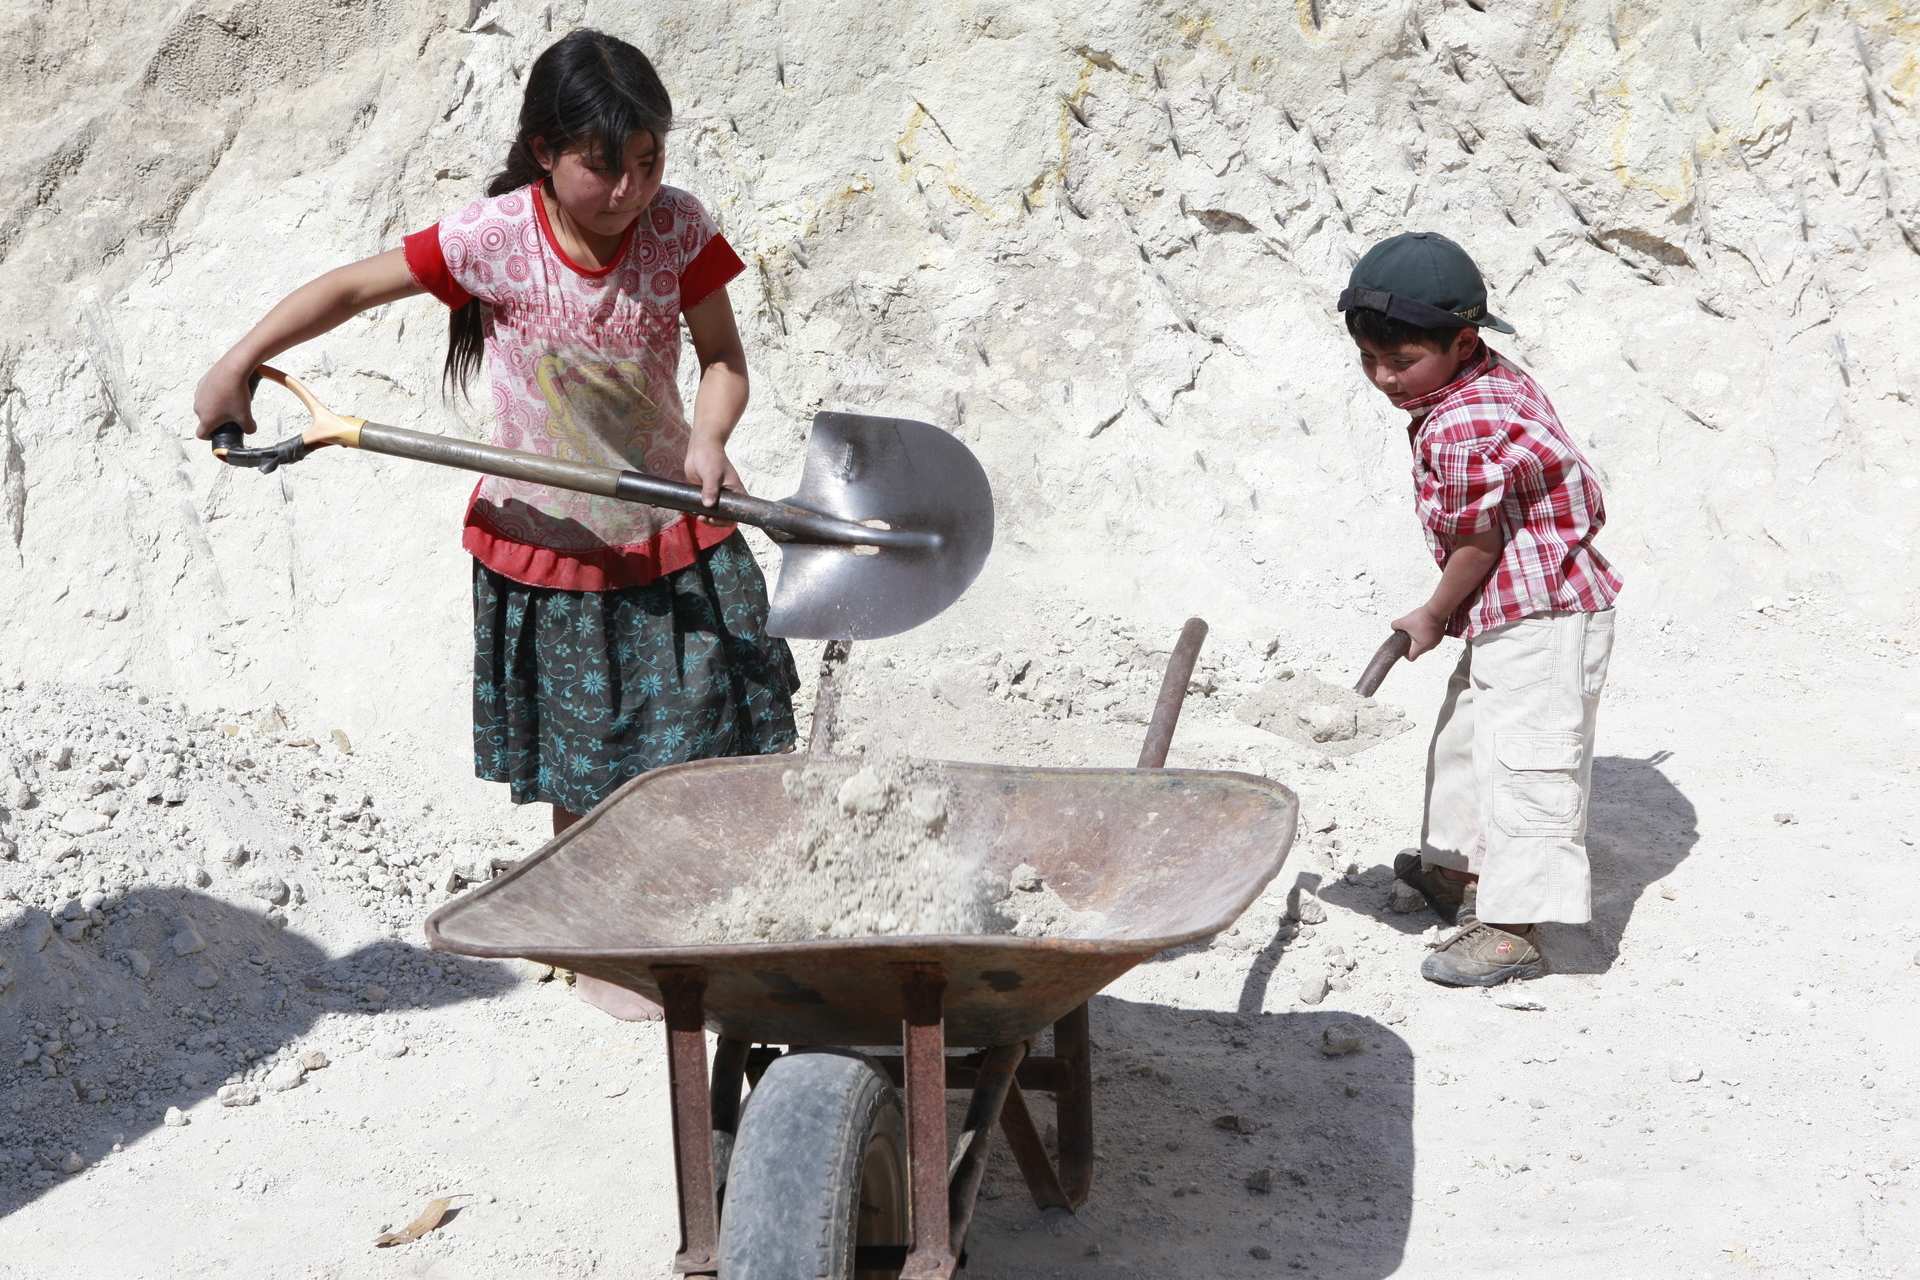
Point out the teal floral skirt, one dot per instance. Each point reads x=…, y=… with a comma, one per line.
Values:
x=576, y=692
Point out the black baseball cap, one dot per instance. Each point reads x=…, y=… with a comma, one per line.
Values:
x=1424, y=279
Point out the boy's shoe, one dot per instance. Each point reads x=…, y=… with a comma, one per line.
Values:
x=1480, y=955
x=1451, y=900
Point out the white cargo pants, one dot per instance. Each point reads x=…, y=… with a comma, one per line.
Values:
x=1510, y=769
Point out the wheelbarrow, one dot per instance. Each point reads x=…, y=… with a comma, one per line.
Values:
x=838, y=1164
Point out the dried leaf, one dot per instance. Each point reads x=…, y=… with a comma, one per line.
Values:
x=429, y=1219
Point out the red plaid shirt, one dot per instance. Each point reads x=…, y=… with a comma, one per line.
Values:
x=1489, y=453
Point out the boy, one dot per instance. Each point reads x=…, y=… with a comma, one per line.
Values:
x=1510, y=508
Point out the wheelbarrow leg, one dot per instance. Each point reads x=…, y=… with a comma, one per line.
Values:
x=684, y=991
x=931, y=1256
x=1073, y=1045
x=1023, y=1139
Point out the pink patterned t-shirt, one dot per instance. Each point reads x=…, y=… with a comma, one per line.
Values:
x=584, y=364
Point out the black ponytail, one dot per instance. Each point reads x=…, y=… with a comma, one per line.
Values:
x=587, y=88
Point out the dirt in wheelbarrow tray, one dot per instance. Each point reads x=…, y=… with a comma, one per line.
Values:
x=868, y=853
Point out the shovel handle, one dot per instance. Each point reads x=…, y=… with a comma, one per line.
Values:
x=782, y=521
x=1397, y=645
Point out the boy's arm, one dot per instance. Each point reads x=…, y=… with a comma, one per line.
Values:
x=1468, y=565
x=314, y=308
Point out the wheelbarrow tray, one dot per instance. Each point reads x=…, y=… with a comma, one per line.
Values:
x=1165, y=855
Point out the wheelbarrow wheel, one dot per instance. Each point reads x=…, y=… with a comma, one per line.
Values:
x=818, y=1170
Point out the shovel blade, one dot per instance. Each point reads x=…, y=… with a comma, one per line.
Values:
x=906, y=475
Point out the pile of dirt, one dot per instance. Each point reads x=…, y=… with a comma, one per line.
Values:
x=868, y=854
x=865, y=854
x=1303, y=708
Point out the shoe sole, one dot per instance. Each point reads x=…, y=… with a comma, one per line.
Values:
x=1492, y=978
x=1406, y=869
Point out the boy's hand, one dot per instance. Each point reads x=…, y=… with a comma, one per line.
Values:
x=708, y=467
x=1423, y=628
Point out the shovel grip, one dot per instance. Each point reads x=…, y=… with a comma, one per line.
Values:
x=1397, y=646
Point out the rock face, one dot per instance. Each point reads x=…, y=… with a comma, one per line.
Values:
x=1101, y=243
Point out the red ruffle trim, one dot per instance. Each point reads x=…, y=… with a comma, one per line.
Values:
x=602, y=569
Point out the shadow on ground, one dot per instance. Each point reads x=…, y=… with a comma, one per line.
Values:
x=1195, y=1113
x=110, y=1050
x=1639, y=828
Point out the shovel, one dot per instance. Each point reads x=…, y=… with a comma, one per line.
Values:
x=891, y=524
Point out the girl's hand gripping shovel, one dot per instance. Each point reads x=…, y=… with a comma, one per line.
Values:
x=891, y=524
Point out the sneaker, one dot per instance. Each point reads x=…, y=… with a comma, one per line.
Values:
x=1480, y=955
x=1451, y=900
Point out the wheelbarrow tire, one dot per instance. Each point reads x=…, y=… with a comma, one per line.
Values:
x=818, y=1169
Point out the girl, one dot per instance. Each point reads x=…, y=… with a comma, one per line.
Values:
x=609, y=638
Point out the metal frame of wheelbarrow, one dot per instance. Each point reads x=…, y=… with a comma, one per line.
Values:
x=942, y=1187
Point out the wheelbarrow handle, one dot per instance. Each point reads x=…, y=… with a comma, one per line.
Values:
x=1173, y=693
x=782, y=521
x=1396, y=647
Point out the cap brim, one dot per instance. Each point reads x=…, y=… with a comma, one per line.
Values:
x=1496, y=324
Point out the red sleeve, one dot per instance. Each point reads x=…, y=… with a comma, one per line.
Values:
x=711, y=268
x=428, y=266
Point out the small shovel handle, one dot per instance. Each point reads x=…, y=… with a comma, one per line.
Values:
x=1396, y=647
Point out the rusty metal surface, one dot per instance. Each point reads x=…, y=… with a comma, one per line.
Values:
x=1173, y=694
x=969, y=1162
x=692, y=1125
x=1167, y=855
x=1030, y=1153
x=1073, y=1046
x=931, y=1256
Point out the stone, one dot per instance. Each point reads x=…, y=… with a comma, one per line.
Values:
x=271, y=889
x=1784, y=819
x=1026, y=879
x=39, y=931
x=390, y=1047
x=93, y=900
x=201, y=877
x=74, y=930
x=1260, y=1253
x=1342, y=1038
x=238, y=1095
x=1306, y=908
x=1403, y=899
x=9, y=851
x=138, y=961
x=374, y=993
x=288, y=1075
x=1260, y=1182
x=314, y=1060
x=1684, y=1072
x=224, y=848
x=73, y=1164
x=1328, y=723
x=534, y=971
x=1313, y=988
x=175, y=1118
x=862, y=792
x=205, y=977
x=928, y=805
x=84, y=822
x=188, y=941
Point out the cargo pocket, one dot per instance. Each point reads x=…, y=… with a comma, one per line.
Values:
x=1596, y=651
x=1537, y=789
